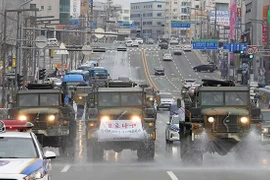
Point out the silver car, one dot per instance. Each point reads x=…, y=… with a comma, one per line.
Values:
x=172, y=130
x=167, y=57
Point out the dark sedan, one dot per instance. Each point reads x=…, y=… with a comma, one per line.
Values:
x=204, y=67
x=159, y=71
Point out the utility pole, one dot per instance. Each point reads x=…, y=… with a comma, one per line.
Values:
x=201, y=23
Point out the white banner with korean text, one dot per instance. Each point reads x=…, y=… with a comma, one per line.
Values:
x=120, y=130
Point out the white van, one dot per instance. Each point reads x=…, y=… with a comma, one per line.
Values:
x=128, y=43
x=52, y=42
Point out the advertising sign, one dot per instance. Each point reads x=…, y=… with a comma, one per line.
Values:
x=233, y=8
x=120, y=130
x=264, y=25
x=223, y=17
x=75, y=8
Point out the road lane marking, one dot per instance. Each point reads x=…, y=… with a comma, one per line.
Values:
x=66, y=168
x=172, y=175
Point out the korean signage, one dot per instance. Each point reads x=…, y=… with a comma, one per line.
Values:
x=120, y=130
x=223, y=17
x=75, y=8
x=264, y=25
x=239, y=3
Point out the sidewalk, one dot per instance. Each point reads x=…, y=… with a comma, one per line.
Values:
x=204, y=60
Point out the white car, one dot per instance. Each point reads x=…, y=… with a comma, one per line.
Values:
x=128, y=43
x=139, y=40
x=187, y=47
x=167, y=57
x=135, y=44
x=172, y=130
x=165, y=100
x=189, y=82
x=21, y=155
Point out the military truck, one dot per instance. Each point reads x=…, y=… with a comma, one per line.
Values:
x=118, y=118
x=221, y=120
x=54, y=121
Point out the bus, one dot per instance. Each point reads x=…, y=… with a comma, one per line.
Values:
x=88, y=66
x=84, y=74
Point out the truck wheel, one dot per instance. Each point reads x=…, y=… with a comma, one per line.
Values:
x=146, y=151
x=94, y=151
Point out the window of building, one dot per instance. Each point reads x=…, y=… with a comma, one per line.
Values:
x=126, y=11
x=159, y=6
x=159, y=23
x=126, y=18
x=159, y=14
x=42, y=8
x=184, y=10
x=49, y=7
x=197, y=6
x=33, y=6
x=175, y=2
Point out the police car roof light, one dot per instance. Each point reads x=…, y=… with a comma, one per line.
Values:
x=15, y=125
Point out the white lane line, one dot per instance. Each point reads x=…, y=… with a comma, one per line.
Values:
x=66, y=168
x=172, y=175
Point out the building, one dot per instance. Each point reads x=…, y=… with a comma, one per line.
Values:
x=99, y=15
x=124, y=15
x=47, y=8
x=176, y=10
x=64, y=15
x=148, y=19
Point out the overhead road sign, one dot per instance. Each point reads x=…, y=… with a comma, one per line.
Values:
x=235, y=47
x=205, y=44
x=180, y=24
x=99, y=30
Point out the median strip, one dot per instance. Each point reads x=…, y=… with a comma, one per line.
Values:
x=147, y=71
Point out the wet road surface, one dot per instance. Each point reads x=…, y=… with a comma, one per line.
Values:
x=167, y=164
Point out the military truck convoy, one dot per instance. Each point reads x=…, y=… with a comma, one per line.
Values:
x=221, y=119
x=122, y=115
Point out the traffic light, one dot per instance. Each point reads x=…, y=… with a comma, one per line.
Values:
x=19, y=80
x=246, y=56
x=51, y=53
x=41, y=74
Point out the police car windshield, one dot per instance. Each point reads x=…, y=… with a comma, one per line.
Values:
x=16, y=147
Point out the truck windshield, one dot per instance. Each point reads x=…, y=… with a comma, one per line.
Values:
x=30, y=100
x=236, y=98
x=212, y=98
x=119, y=99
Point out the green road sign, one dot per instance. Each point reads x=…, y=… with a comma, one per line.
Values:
x=269, y=15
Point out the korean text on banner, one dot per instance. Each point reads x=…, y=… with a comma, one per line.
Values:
x=233, y=9
x=120, y=130
x=75, y=8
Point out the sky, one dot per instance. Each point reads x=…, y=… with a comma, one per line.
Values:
x=124, y=3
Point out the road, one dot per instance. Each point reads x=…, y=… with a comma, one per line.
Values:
x=167, y=164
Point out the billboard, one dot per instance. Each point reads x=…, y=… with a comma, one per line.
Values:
x=75, y=8
x=223, y=17
x=264, y=24
x=233, y=8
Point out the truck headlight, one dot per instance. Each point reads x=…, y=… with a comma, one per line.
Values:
x=211, y=119
x=51, y=118
x=22, y=118
x=135, y=119
x=265, y=130
x=244, y=120
x=105, y=118
x=35, y=175
x=80, y=97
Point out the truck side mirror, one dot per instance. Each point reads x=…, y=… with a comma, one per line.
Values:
x=179, y=103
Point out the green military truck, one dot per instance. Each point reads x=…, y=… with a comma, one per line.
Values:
x=54, y=121
x=118, y=118
x=221, y=120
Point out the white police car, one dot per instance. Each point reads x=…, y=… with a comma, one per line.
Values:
x=172, y=129
x=21, y=155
